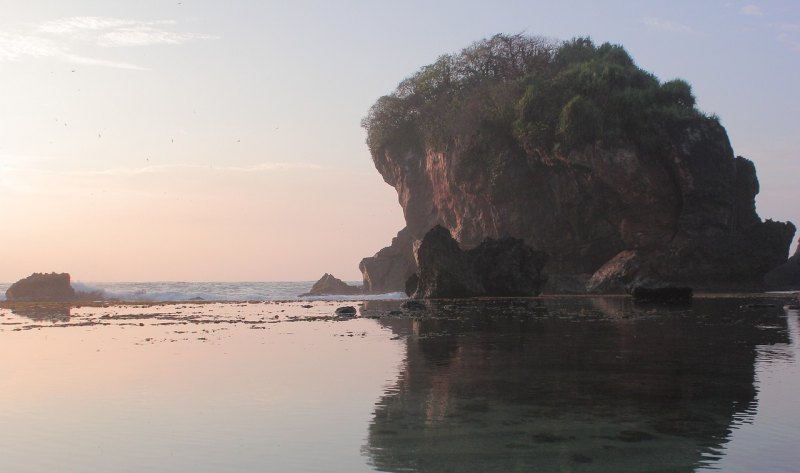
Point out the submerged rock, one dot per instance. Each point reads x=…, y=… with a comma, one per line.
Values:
x=42, y=287
x=505, y=267
x=328, y=284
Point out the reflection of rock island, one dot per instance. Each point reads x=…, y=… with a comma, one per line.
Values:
x=41, y=312
x=536, y=391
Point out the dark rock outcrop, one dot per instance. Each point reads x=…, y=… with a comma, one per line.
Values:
x=389, y=268
x=682, y=201
x=505, y=267
x=328, y=284
x=42, y=287
x=413, y=306
x=346, y=311
x=785, y=277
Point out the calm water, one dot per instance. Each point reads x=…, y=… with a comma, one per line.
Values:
x=549, y=385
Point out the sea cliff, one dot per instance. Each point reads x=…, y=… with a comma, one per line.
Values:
x=580, y=153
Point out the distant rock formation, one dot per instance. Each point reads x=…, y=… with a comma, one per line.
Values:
x=328, y=284
x=616, y=176
x=786, y=277
x=42, y=287
x=503, y=268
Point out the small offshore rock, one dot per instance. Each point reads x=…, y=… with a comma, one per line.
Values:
x=42, y=287
x=346, y=311
x=329, y=284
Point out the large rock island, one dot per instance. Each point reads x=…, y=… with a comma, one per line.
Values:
x=578, y=152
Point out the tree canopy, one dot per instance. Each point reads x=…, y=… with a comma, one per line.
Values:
x=542, y=95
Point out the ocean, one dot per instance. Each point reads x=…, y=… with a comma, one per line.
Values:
x=173, y=291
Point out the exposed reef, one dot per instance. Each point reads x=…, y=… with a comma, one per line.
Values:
x=581, y=154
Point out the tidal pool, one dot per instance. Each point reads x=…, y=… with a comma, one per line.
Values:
x=537, y=385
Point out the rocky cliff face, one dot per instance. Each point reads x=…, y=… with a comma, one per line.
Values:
x=686, y=207
x=696, y=208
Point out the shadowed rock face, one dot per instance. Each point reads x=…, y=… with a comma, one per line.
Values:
x=501, y=268
x=787, y=275
x=389, y=269
x=42, y=287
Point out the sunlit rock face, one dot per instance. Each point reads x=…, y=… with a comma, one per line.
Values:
x=670, y=189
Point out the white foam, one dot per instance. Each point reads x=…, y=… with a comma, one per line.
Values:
x=217, y=291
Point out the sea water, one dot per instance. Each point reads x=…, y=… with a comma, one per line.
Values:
x=210, y=291
x=554, y=384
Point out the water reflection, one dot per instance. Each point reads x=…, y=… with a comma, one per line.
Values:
x=569, y=385
x=42, y=312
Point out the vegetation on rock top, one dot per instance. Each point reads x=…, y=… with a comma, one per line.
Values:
x=540, y=96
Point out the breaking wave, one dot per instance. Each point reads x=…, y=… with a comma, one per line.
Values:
x=214, y=291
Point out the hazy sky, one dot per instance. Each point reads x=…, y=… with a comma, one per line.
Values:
x=207, y=140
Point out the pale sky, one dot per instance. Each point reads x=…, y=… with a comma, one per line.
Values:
x=220, y=141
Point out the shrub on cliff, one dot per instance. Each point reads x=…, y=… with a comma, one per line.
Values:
x=543, y=96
